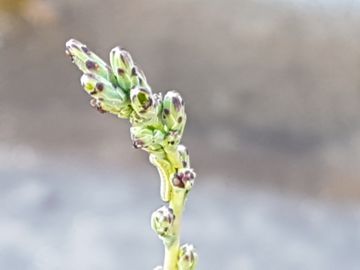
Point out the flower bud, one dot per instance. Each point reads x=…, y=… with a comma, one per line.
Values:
x=173, y=114
x=142, y=102
x=87, y=61
x=98, y=87
x=146, y=138
x=108, y=97
x=121, y=59
x=162, y=221
x=123, y=67
x=184, y=178
x=188, y=258
x=102, y=106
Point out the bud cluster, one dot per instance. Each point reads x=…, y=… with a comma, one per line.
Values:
x=122, y=89
x=157, y=127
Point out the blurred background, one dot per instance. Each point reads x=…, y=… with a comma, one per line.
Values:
x=273, y=100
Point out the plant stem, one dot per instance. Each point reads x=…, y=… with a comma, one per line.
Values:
x=176, y=203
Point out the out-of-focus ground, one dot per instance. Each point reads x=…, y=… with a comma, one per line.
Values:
x=273, y=96
x=69, y=219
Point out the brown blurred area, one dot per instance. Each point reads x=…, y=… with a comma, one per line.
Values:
x=272, y=88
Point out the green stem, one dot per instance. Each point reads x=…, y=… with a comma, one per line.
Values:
x=172, y=249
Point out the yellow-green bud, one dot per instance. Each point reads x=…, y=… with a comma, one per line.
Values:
x=173, y=113
x=123, y=67
x=100, y=88
x=162, y=221
x=142, y=102
x=108, y=98
x=188, y=258
x=87, y=61
x=146, y=138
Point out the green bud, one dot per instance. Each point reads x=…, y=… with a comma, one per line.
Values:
x=121, y=59
x=162, y=221
x=102, y=106
x=87, y=61
x=146, y=138
x=124, y=80
x=138, y=78
x=142, y=102
x=188, y=258
x=173, y=113
x=152, y=116
x=100, y=88
x=108, y=98
x=122, y=65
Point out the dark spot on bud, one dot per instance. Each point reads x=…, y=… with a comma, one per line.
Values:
x=122, y=58
x=166, y=111
x=75, y=47
x=100, y=86
x=85, y=50
x=100, y=109
x=91, y=65
x=178, y=183
x=138, y=144
x=177, y=103
x=182, y=102
x=93, y=92
x=120, y=71
x=95, y=104
x=133, y=71
x=184, y=163
x=179, y=119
